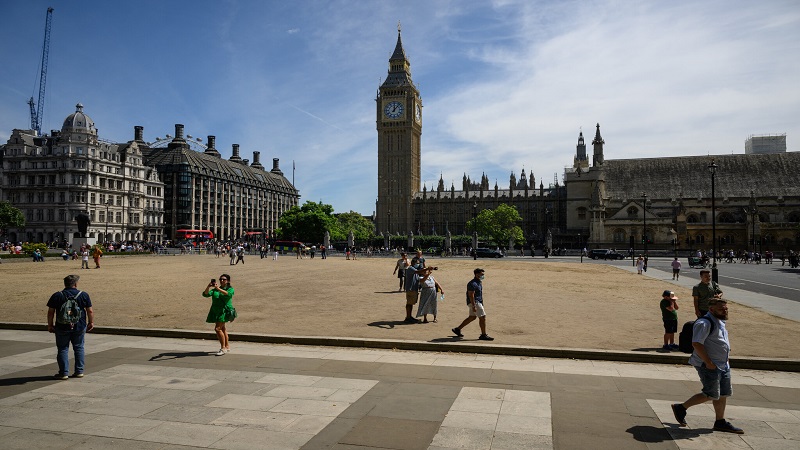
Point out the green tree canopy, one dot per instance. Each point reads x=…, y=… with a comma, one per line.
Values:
x=363, y=229
x=499, y=224
x=307, y=223
x=10, y=217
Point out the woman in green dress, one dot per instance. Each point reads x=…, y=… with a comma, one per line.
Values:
x=221, y=309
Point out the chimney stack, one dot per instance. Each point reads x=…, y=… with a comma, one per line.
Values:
x=275, y=168
x=257, y=161
x=211, y=148
x=235, y=156
x=179, y=131
x=138, y=132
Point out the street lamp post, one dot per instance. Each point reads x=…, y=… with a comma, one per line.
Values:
x=474, y=231
x=714, y=271
x=644, y=216
x=580, y=248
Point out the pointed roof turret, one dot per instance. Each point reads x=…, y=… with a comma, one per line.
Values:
x=399, y=66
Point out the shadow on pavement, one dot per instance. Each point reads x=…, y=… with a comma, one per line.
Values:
x=451, y=339
x=388, y=292
x=24, y=380
x=650, y=434
x=389, y=324
x=178, y=355
x=654, y=349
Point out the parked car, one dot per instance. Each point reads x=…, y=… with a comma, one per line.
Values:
x=488, y=253
x=604, y=253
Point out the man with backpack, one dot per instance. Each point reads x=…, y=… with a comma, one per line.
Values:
x=710, y=359
x=70, y=316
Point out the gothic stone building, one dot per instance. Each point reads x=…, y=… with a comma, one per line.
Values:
x=757, y=196
x=53, y=179
x=756, y=200
x=402, y=207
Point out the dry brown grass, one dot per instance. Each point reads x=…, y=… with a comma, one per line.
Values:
x=531, y=302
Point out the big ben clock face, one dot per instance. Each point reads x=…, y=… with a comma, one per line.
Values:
x=418, y=113
x=393, y=110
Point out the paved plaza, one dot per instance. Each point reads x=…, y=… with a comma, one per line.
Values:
x=158, y=393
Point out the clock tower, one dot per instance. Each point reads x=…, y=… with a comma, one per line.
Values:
x=399, y=124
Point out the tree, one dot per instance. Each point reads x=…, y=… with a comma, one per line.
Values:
x=499, y=224
x=10, y=217
x=307, y=223
x=363, y=229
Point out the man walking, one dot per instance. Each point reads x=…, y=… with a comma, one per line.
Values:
x=676, y=269
x=704, y=292
x=710, y=359
x=70, y=316
x=475, y=305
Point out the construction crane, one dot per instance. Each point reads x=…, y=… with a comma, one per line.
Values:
x=37, y=109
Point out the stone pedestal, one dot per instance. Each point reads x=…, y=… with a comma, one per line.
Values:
x=79, y=241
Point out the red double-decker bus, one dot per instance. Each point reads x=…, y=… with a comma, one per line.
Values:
x=193, y=235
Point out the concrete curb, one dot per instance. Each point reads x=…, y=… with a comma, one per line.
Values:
x=780, y=364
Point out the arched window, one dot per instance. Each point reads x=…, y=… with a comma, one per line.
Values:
x=768, y=239
x=581, y=213
x=619, y=236
x=726, y=217
x=763, y=217
x=727, y=239
x=699, y=239
x=793, y=216
x=692, y=218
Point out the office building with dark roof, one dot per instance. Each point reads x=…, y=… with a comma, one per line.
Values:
x=233, y=198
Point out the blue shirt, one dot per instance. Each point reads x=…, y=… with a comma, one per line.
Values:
x=411, y=282
x=476, y=286
x=59, y=298
x=715, y=341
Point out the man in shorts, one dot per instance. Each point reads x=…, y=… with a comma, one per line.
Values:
x=710, y=359
x=475, y=305
x=676, y=269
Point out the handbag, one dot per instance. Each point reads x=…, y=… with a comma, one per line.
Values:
x=230, y=314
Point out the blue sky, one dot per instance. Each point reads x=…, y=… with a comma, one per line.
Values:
x=506, y=84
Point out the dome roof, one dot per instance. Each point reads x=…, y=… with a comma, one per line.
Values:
x=78, y=121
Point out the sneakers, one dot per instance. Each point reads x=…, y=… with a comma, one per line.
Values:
x=221, y=352
x=680, y=414
x=457, y=332
x=77, y=375
x=674, y=346
x=726, y=427
x=61, y=376
x=666, y=347
x=485, y=337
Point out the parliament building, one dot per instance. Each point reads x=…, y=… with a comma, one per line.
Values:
x=665, y=203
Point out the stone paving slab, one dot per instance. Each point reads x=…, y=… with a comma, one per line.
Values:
x=173, y=393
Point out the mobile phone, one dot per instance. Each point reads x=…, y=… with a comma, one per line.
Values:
x=213, y=281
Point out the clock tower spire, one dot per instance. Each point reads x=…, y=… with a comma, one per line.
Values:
x=399, y=125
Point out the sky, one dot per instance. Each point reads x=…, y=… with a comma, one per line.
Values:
x=505, y=84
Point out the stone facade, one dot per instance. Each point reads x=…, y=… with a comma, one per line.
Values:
x=403, y=207
x=757, y=201
x=53, y=179
x=136, y=191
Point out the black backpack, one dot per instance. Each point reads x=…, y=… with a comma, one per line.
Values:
x=685, y=337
